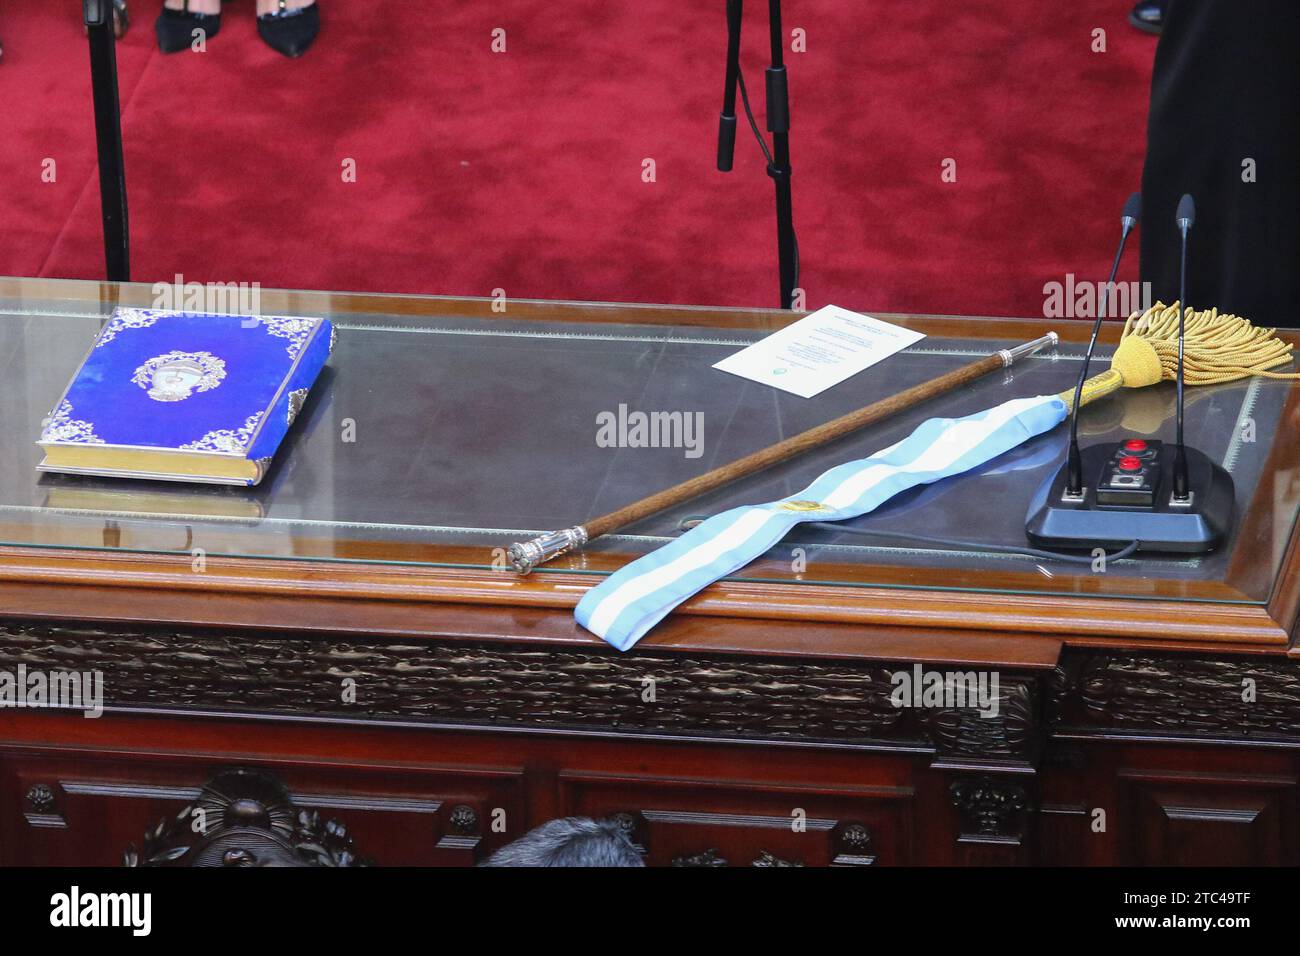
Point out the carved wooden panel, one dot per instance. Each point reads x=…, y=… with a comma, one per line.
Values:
x=242, y=819
x=992, y=813
x=1242, y=698
x=713, y=824
x=415, y=817
x=504, y=686
x=1010, y=733
x=1194, y=819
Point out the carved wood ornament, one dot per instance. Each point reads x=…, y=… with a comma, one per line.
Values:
x=244, y=818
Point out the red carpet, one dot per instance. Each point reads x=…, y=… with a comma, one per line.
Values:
x=522, y=170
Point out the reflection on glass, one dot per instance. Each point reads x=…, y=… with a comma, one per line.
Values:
x=437, y=438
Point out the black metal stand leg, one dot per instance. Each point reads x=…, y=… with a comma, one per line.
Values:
x=108, y=138
x=727, y=119
x=778, y=124
x=786, y=253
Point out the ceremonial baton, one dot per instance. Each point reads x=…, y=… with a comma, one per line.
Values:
x=526, y=555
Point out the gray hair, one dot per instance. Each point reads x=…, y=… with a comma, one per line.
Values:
x=569, y=841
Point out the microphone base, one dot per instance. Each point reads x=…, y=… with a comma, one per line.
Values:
x=1056, y=521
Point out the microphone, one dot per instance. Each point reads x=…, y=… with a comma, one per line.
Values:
x=1185, y=216
x=1129, y=217
x=727, y=120
x=1180, y=503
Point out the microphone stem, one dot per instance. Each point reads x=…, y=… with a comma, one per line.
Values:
x=1180, y=455
x=1075, y=485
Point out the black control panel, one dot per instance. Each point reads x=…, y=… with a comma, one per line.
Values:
x=1131, y=476
x=1127, y=499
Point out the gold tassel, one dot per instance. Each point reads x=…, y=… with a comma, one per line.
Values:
x=1217, y=348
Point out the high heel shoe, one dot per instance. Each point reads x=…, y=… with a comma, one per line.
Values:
x=288, y=31
x=121, y=18
x=176, y=28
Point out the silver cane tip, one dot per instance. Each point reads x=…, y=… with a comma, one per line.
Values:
x=523, y=556
x=526, y=555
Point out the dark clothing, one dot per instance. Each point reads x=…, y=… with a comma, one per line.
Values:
x=1226, y=88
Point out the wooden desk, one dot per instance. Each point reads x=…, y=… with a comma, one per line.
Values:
x=348, y=629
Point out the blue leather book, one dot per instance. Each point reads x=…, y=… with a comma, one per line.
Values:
x=180, y=396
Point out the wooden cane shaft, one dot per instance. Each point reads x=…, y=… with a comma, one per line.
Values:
x=791, y=447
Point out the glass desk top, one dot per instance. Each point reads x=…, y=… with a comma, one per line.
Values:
x=441, y=432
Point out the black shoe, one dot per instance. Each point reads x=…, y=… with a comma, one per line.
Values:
x=121, y=18
x=287, y=31
x=1148, y=16
x=176, y=28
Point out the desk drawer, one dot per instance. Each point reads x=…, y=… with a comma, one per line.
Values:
x=708, y=823
x=72, y=810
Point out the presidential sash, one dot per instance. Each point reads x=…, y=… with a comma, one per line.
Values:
x=627, y=604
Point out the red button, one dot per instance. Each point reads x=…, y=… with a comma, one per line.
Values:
x=1135, y=444
x=1129, y=463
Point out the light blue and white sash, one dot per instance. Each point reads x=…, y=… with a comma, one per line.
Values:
x=624, y=606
